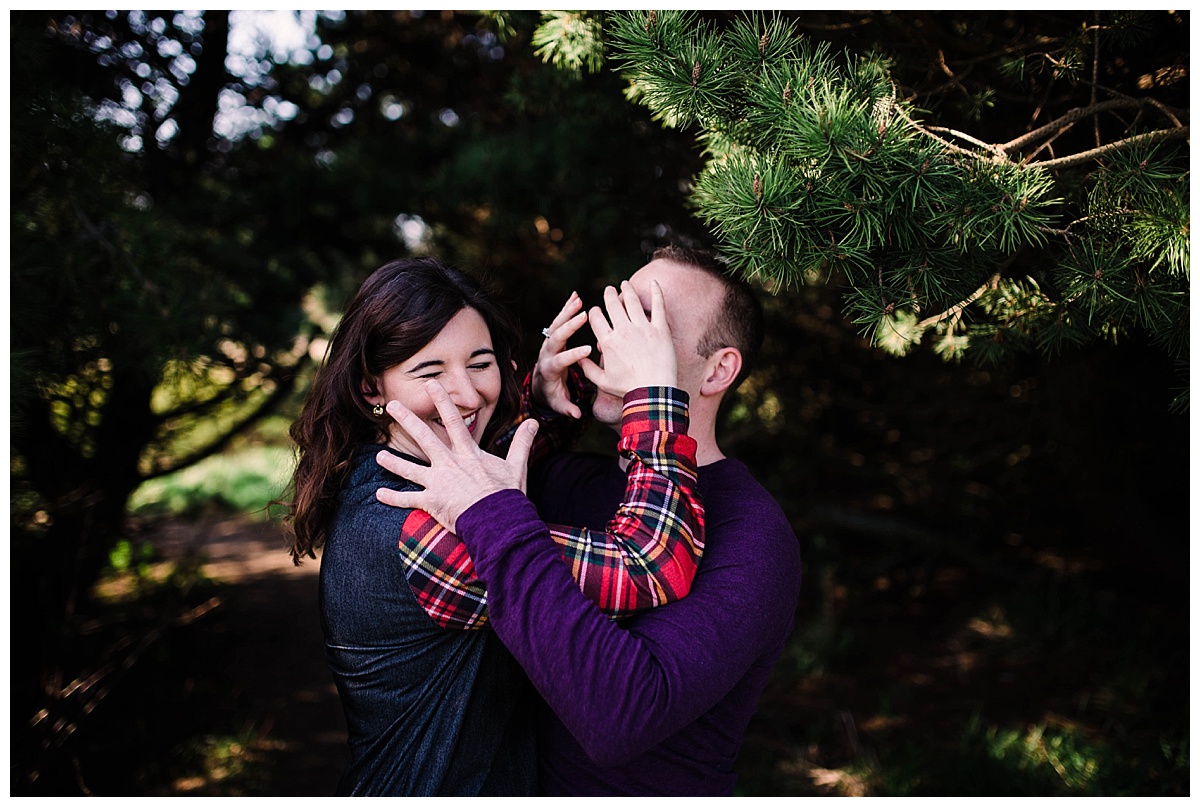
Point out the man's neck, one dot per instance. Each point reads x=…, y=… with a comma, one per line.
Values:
x=704, y=431
x=708, y=454
x=703, y=428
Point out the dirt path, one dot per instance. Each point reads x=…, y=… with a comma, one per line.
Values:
x=278, y=669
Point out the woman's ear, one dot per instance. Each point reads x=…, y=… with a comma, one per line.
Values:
x=514, y=364
x=721, y=370
x=369, y=392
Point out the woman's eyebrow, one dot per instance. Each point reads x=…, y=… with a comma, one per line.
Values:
x=425, y=364
x=483, y=351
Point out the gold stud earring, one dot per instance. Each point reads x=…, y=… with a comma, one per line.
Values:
x=378, y=410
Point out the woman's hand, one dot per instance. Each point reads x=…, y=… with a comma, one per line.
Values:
x=549, y=380
x=635, y=351
x=458, y=476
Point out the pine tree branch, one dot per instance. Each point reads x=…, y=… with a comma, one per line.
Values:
x=1161, y=107
x=1071, y=117
x=959, y=200
x=968, y=138
x=1136, y=140
x=1166, y=111
x=958, y=308
x=1048, y=145
x=954, y=80
x=1065, y=231
x=929, y=131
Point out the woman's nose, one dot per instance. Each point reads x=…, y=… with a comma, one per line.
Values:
x=461, y=389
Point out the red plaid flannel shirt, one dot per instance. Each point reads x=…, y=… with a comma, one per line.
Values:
x=647, y=554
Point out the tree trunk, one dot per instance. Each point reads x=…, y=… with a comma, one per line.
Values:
x=85, y=499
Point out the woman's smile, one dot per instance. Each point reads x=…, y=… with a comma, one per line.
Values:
x=468, y=421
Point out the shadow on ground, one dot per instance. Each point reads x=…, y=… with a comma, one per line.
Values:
x=267, y=654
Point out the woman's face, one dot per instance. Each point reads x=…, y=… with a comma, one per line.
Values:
x=461, y=358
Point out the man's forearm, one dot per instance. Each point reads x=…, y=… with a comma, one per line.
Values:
x=648, y=553
x=618, y=691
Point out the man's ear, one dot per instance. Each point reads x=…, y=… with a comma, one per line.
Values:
x=721, y=370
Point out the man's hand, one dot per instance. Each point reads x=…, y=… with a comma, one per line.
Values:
x=635, y=351
x=549, y=379
x=459, y=475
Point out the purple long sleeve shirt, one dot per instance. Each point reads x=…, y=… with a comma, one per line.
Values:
x=656, y=704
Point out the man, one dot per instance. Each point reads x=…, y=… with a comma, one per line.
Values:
x=658, y=703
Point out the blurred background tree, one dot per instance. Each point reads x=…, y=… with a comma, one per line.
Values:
x=193, y=201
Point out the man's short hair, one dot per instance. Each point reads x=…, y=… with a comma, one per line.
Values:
x=738, y=320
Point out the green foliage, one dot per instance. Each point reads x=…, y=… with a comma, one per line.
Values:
x=244, y=481
x=126, y=557
x=897, y=332
x=233, y=764
x=570, y=40
x=1067, y=753
x=819, y=167
x=1035, y=760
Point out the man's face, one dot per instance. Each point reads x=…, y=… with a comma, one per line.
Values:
x=690, y=296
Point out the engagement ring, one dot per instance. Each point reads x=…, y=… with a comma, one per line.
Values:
x=546, y=332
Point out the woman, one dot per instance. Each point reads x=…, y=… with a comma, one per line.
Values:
x=434, y=703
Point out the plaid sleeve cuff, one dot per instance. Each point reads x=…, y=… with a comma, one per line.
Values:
x=441, y=573
x=654, y=409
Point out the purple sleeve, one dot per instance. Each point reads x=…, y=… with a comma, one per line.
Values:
x=619, y=691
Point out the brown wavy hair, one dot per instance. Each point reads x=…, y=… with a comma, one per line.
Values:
x=398, y=310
